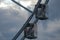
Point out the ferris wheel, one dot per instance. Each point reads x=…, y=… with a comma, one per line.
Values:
x=30, y=29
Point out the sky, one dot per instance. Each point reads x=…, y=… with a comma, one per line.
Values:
x=12, y=18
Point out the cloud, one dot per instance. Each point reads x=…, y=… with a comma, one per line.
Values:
x=1, y=0
x=11, y=15
x=1, y=34
x=53, y=25
x=11, y=20
x=2, y=37
x=52, y=32
x=53, y=11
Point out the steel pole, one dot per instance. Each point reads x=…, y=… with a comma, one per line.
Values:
x=22, y=6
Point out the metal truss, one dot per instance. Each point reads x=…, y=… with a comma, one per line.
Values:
x=28, y=20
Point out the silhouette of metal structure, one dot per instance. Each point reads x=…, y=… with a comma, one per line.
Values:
x=38, y=16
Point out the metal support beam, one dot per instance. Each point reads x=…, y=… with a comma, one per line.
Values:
x=24, y=26
x=22, y=6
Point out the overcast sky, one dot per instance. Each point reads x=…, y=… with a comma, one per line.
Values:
x=12, y=17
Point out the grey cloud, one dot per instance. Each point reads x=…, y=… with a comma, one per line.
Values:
x=52, y=32
x=11, y=21
x=1, y=0
x=54, y=8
